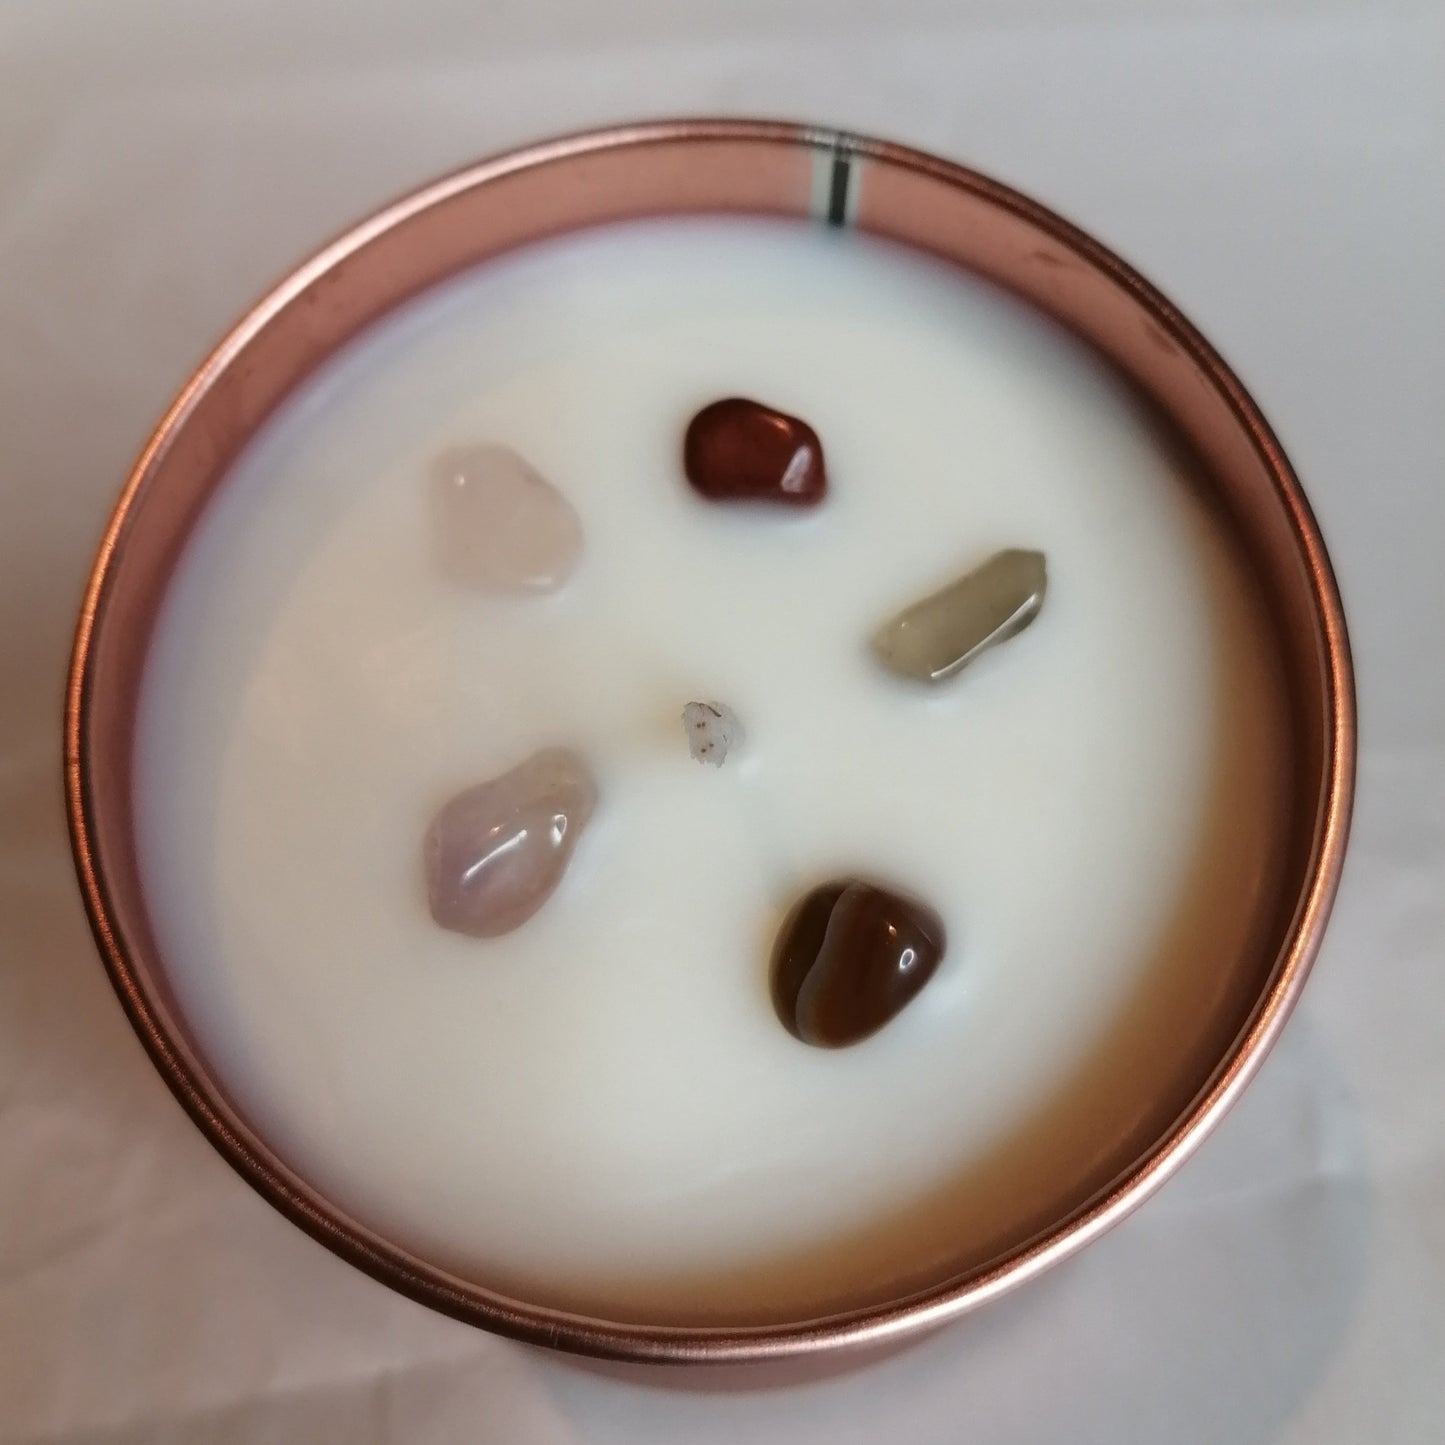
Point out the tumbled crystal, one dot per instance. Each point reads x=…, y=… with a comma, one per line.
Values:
x=934, y=638
x=499, y=525
x=740, y=450
x=713, y=730
x=496, y=852
x=849, y=957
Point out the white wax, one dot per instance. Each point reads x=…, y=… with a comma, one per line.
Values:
x=601, y=1110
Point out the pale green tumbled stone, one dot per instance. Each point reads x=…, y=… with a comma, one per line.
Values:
x=934, y=638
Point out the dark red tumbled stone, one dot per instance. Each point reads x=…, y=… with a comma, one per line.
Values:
x=850, y=957
x=739, y=450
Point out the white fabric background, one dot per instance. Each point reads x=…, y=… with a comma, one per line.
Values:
x=1275, y=167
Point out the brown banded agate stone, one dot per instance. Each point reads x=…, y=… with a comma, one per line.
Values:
x=849, y=958
x=740, y=450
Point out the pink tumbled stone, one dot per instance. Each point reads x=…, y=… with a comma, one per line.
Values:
x=499, y=524
x=496, y=852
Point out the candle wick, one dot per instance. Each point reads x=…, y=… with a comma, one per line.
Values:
x=713, y=730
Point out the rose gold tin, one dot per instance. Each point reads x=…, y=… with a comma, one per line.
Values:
x=672, y=168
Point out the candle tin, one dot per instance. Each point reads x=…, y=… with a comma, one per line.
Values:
x=678, y=168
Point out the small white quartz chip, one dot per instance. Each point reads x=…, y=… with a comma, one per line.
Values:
x=713, y=731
